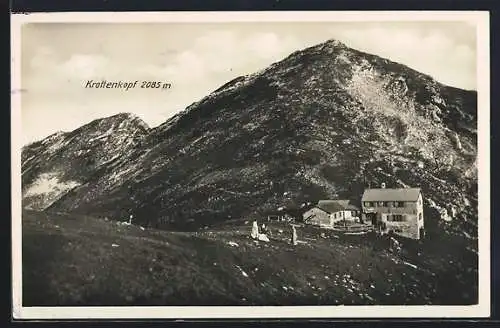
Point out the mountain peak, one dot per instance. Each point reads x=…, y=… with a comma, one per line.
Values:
x=119, y=120
x=125, y=116
x=335, y=43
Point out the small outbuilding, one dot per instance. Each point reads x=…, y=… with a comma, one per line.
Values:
x=328, y=212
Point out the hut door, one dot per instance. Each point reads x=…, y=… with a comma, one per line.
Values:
x=372, y=217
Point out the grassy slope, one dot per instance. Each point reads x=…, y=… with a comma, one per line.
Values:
x=71, y=261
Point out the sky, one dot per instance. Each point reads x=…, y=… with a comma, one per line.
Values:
x=57, y=60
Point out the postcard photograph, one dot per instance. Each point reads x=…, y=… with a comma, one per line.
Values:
x=204, y=164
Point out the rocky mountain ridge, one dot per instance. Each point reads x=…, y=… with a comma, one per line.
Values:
x=65, y=160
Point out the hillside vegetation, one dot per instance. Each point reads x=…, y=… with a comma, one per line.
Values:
x=69, y=260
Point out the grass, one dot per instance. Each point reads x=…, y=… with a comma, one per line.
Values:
x=70, y=260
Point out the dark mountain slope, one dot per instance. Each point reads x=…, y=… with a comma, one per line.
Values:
x=53, y=166
x=324, y=122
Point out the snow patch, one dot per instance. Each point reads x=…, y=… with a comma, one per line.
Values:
x=29, y=159
x=197, y=139
x=117, y=176
x=49, y=183
x=56, y=146
x=243, y=273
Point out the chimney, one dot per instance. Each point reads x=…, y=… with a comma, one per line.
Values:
x=382, y=185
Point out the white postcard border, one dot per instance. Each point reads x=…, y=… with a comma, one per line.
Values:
x=478, y=18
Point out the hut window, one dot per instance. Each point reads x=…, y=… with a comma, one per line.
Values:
x=397, y=218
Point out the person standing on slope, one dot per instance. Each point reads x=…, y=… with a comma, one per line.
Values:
x=294, y=235
x=255, y=230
